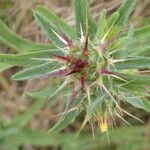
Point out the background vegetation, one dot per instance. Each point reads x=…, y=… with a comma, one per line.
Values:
x=24, y=123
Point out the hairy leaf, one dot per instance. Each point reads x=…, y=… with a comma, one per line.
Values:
x=16, y=42
x=55, y=20
x=125, y=11
x=83, y=19
x=49, y=29
x=4, y=66
x=64, y=121
x=28, y=59
x=36, y=72
x=135, y=63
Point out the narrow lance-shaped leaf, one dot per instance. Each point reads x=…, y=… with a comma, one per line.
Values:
x=28, y=59
x=81, y=13
x=137, y=101
x=36, y=72
x=139, y=44
x=4, y=66
x=49, y=29
x=64, y=121
x=102, y=24
x=48, y=92
x=16, y=42
x=42, y=94
x=55, y=20
x=135, y=79
x=133, y=63
x=125, y=11
x=112, y=29
x=83, y=19
x=94, y=105
x=142, y=32
x=92, y=27
x=146, y=103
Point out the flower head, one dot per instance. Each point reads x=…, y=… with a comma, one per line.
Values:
x=95, y=61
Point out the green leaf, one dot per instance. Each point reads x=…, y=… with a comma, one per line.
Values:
x=84, y=141
x=94, y=105
x=92, y=27
x=102, y=24
x=55, y=20
x=113, y=19
x=49, y=29
x=81, y=13
x=146, y=103
x=42, y=94
x=133, y=63
x=130, y=33
x=16, y=42
x=64, y=121
x=15, y=60
x=35, y=72
x=125, y=11
x=139, y=45
x=83, y=18
x=48, y=92
x=4, y=66
x=136, y=79
x=142, y=32
x=138, y=102
x=135, y=101
x=27, y=59
x=139, y=48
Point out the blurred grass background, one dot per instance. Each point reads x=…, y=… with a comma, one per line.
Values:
x=28, y=131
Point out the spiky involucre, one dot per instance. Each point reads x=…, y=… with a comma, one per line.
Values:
x=95, y=61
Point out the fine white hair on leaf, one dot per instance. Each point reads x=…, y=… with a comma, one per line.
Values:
x=64, y=41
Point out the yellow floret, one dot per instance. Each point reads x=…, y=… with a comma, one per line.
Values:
x=103, y=125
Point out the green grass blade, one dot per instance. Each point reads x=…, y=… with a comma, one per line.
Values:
x=16, y=42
